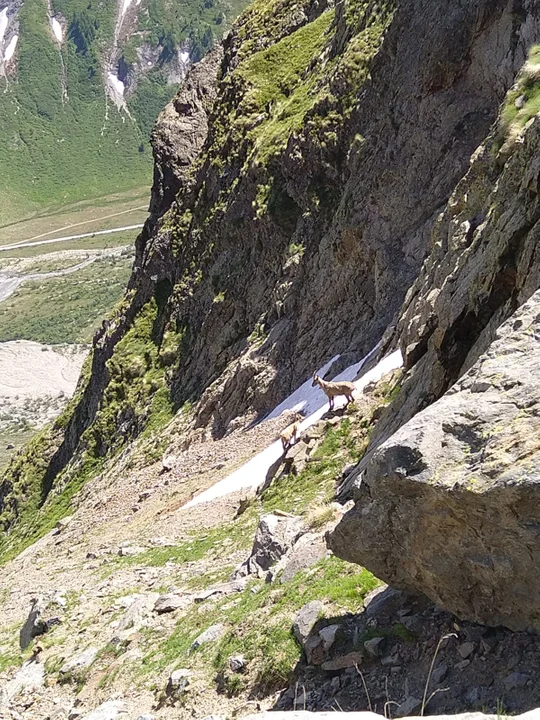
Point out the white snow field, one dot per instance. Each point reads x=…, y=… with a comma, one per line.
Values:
x=116, y=84
x=308, y=399
x=10, y=50
x=125, y=6
x=57, y=29
x=3, y=24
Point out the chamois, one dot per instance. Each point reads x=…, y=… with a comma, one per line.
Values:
x=334, y=389
x=290, y=435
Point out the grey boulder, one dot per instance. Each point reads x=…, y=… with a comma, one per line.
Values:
x=274, y=537
x=34, y=624
x=306, y=619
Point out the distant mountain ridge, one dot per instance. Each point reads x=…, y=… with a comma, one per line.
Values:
x=81, y=85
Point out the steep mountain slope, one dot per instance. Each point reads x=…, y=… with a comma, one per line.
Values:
x=334, y=139
x=82, y=84
x=329, y=181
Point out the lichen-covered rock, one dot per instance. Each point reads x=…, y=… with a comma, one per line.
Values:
x=450, y=505
x=306, y=619
x=274, y=537
x=34, y=624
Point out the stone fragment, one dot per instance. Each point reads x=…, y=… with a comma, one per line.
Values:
x=408, y=706
x=62, y=524
x=306, y=552
x=168, y=463
x=328, y=635
x=237, y=663
x=34, y=624
x=79, y=662
x=29, y=678
x=137, y=613
x=275, y=535
x=373, y=646
x=516, y=680
x=466, y=649
x=130, y=550
x=314, y=649
x=305, y=619
x=109, y=710
x=171, y=602
x=178, y=681
x=211, y=634
x=439, y=673
x=344, y=661
x=234, y=586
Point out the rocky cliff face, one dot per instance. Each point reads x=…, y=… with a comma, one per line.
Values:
x=309, y=208
x=447, y=505
x=300, y=178
x=466, y=463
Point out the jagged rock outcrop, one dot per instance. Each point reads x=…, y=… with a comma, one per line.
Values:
x=448, y=506
x=275, y=535
x=182, y=128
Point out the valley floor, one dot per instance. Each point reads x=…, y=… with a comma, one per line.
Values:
x=55, y=290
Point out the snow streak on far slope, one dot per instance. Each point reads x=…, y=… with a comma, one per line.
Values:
x=57, y=29
x=125, y=5
x=10, y=50
x=309, y=399
x=3, y=24
x=116, y=84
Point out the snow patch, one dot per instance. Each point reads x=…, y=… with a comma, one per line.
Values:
x=3, y=23
x=57, y=29
x=309, y=400
x=125, y=6
x=116, y=83
x=10, y=50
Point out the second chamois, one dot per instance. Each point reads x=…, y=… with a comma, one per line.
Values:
x=289, y=435
x=334, y=389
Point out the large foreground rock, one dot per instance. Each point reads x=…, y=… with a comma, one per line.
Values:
x=450, y=504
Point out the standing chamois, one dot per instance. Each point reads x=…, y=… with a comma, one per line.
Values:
x=334, y=389
x=290, y=435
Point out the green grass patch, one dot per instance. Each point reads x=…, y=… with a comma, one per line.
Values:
x=259, y=619
x=9, y=660
x=279, y=84
x=523, y=100
x=315, y=485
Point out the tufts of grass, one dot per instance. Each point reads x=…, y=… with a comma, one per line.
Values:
x=523, y=100
x=259, y=620
x=9, y=660
x=316, y=484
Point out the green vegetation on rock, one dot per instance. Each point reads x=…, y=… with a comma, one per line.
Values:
x=523, y=100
